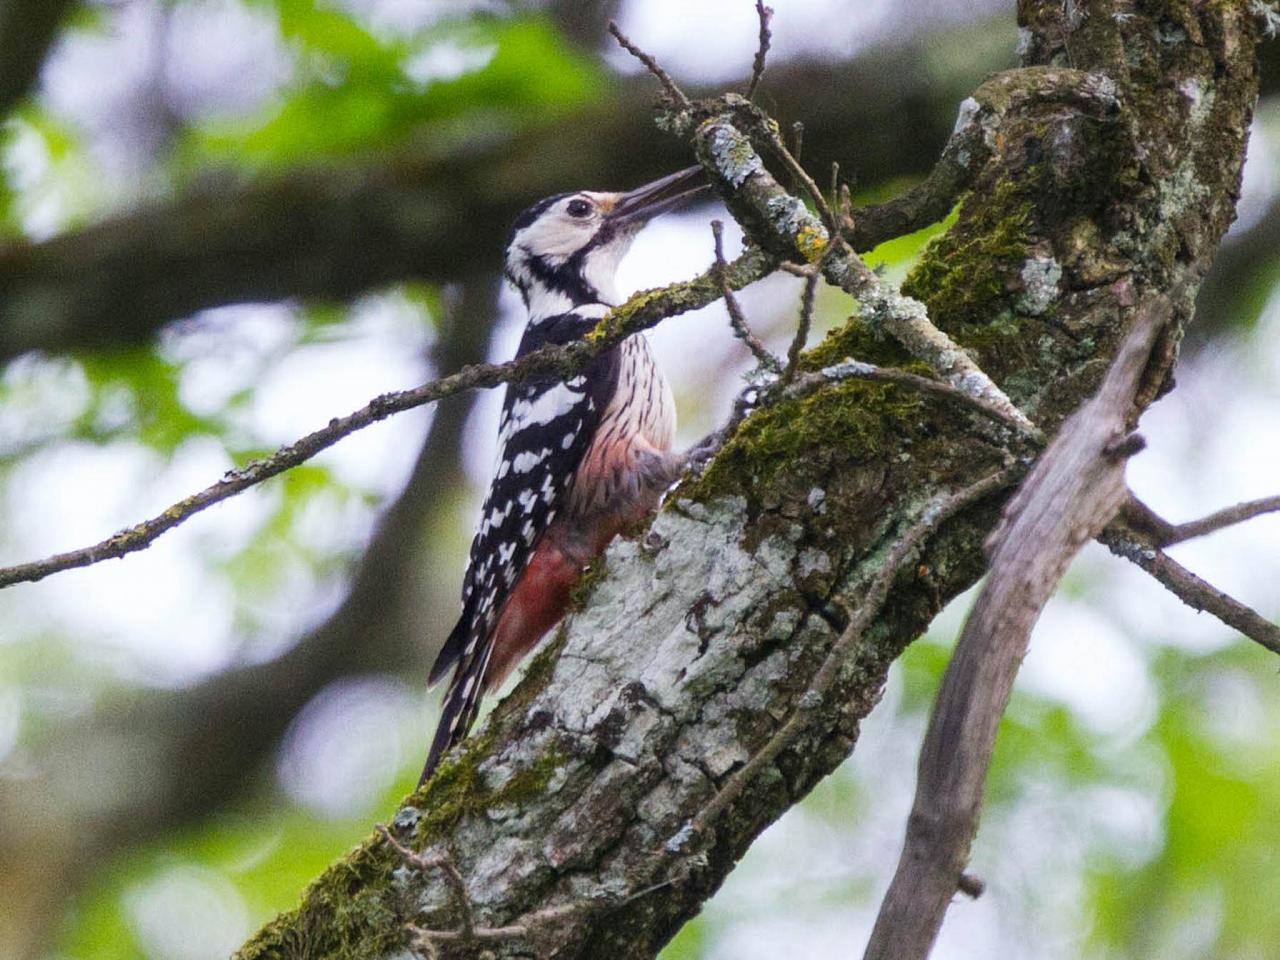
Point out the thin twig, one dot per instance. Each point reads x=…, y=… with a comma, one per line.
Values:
x=762, y=50
x=812, y=274
x=652, y=65
x=1125, y=541
x=642, y=311
x=901, y=554
x=477, y=935
x=754, y=194
x=802, y=177
x=801, y=270
x=527, y=930
x=452, y=875
x=1219, y=520
x=737, y=319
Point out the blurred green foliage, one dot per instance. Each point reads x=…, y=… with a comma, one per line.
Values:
x=267, y=853
x=354, y=91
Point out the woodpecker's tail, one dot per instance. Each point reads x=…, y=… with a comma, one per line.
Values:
x=455, y=645
x=461, y=704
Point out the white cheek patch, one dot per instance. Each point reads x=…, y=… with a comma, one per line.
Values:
x=556, y=236
x=601, y=270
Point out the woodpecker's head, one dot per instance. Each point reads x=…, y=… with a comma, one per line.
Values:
x=564, y=250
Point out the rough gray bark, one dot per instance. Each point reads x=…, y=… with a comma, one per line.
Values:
x=117, y=282
x=568, y=815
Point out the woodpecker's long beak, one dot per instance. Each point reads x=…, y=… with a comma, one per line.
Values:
x=638, y=206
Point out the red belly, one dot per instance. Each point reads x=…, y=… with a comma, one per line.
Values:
x=535, y=606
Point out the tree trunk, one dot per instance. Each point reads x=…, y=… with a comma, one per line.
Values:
x=1113, y=163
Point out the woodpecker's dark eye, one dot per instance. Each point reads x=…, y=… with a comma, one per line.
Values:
x=578, y=208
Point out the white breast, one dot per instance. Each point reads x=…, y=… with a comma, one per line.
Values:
x=643, y=404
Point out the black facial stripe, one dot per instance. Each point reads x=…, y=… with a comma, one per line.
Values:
x=577, y=263
x=566, y=279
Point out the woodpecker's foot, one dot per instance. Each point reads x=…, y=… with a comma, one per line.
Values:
x=700, y=454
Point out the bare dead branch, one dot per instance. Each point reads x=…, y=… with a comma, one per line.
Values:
x=670, y=86
x=641, y=312
x=1075, y=489
x=115, y=282
x=580, y=833
x=765, y=14
x=737, y=319
x=1166, y=534
x=1134, y=546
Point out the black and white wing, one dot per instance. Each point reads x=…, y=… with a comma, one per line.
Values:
x=546, y=427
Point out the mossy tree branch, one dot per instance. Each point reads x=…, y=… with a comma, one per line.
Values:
x=698, y=644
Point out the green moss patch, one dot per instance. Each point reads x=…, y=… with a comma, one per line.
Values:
x=966, y=276
x=348, y=913
x=801, y=439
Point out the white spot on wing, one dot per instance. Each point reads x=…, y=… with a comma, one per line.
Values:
x=527, y=460
x=551, y=403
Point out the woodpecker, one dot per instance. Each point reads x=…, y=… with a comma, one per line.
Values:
x=579, y=460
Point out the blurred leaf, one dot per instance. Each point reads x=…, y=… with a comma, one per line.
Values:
x=357, y=92
x=689, y=944
x=1216, y=870
x=268, y=850
x=137, y=392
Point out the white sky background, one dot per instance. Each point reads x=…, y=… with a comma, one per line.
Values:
x=161, y=617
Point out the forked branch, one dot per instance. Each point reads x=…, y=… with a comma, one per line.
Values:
x=1075, y=489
